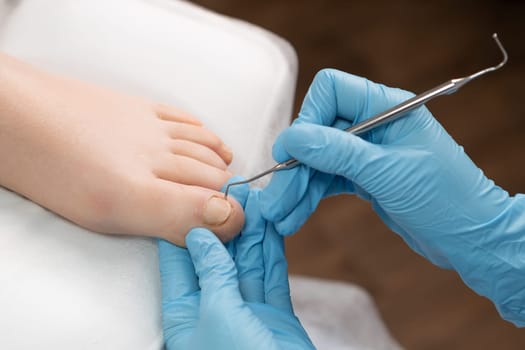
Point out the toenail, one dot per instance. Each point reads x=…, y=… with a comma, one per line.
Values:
x=216, y=211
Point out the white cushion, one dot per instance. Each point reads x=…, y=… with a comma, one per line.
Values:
x=62, y=287
x=339, y=316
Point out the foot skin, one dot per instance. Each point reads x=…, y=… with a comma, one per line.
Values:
x=109, y=162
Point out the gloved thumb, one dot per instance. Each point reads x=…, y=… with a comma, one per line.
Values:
x=332, y=151
x=213, y=265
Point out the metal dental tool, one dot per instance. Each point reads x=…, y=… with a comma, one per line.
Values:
x=393, y=113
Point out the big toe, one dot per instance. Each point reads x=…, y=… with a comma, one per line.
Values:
x=187, y=207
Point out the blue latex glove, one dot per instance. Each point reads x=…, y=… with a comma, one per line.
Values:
x=418, y=179
x=211, y=301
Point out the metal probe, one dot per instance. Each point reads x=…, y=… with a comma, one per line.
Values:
x=393, y=113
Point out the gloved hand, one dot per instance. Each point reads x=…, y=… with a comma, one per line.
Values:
x=211, y=301
x=418, y=179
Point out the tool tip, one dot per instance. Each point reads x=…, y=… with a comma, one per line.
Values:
x=226, y=191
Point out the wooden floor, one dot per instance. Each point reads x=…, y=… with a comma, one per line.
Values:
x=415, y=45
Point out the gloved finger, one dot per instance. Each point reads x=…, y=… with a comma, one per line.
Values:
x=231, y=248
x=286, y=194
x=285, y=190
x=334, y=93
x=249, y=256
x=280, y=154
x=179, y=283
x=177, y=275
x=337, y=152
x=276, y=285
x=321, y=186
x=290, y=198
x=298, y=210
x=289, y=207
x=215, y=269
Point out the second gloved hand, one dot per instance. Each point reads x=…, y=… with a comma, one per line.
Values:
x=211, y=301
x=418, y=179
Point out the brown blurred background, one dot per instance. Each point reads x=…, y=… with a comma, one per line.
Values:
x=414, y=45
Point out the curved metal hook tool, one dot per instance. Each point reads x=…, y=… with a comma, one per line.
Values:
x=393, y=113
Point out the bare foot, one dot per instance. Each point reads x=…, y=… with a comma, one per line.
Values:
x=109, y=162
